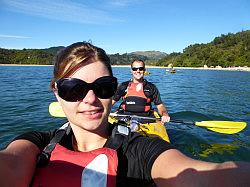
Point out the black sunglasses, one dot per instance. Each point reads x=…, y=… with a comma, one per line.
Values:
x=140, y=68
x=72, y=89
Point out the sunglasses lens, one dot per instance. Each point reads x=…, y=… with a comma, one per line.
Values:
x=72, y=90
x=105, y=87
x=140, y=69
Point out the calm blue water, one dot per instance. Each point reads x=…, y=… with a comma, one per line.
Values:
x=197, y=94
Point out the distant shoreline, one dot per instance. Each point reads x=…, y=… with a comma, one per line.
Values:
x=160, y=67
x=218, y=69
x=200, y=68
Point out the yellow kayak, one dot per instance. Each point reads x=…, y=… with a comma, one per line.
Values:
x=147, y=129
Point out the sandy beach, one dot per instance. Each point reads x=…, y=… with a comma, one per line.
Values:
x=162, y=67
x=219, y=68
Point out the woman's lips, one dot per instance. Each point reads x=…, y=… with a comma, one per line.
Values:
x=93, y=114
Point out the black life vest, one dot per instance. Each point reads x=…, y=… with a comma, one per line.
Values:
x=135, y=99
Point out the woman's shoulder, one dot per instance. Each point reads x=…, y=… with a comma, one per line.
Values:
x=39, y=138
x=140, y=155
x=136, y=143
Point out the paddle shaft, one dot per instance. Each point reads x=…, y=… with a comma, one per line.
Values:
x=133, y=116
x=149, y=118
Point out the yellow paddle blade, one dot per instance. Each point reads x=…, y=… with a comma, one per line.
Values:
x=56, y=110
x=225, y=127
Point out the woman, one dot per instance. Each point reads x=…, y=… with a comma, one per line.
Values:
x=85, y=154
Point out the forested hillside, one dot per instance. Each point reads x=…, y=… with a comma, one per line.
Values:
x=45, y=56
x=226, y=50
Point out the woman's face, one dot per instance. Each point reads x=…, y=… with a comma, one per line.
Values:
x=91, y=113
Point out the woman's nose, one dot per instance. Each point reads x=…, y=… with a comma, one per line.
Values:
x=90, y=97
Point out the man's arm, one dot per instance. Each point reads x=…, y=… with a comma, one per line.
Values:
x=156, y=98
x=172, y=168
x=163, y=112
x=119, y=92
x=17, y=163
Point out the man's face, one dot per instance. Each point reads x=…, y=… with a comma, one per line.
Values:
x=138, y=70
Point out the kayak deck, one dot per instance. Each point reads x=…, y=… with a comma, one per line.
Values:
x=154, y=129
x=151, y=129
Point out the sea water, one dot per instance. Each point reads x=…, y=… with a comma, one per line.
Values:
x=190, y=94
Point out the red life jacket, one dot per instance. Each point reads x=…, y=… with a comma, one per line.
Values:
x=59, y=166
x=70, y=168
x=135, y=99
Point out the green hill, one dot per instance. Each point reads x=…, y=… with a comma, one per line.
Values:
x=226, y=51
x=53, y=50
x=25, y=56
x=151, y=55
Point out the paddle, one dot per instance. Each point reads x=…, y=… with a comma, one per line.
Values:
x=55, y=110
x=224, y=127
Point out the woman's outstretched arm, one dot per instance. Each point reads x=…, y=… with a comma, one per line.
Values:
x=17, y=163
x=172, y=168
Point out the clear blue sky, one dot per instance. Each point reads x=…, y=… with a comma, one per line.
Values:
x=120, y=26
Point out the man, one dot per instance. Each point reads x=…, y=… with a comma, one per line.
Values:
x=138, y=94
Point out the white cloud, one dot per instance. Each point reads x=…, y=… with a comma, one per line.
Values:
x=13, y=36
x=61, y=10
x=120, y=2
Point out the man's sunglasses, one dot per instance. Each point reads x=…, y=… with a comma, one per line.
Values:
x=140, y=68
x=72, y=89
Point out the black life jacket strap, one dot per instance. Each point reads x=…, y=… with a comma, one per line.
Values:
x=44, y=157
x=119, y=136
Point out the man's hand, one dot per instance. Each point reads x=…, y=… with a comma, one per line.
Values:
x=165, y=118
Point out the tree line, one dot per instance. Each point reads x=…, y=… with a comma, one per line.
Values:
x=226, y=50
